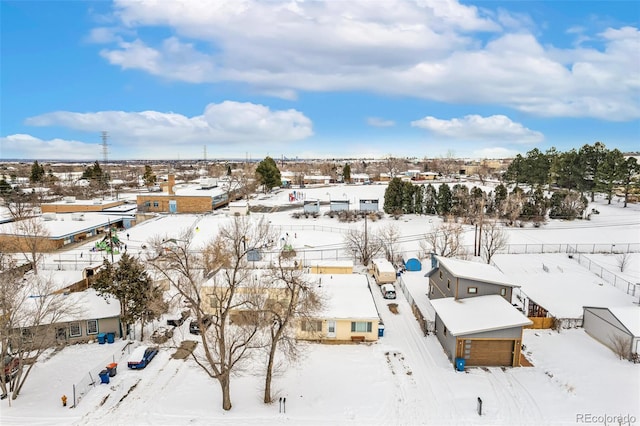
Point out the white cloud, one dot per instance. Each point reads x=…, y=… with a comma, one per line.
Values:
x=494, y=152
x=427, y=49
x=478, y=128
x=380, y=122
x=223, y=125
x=26, y=146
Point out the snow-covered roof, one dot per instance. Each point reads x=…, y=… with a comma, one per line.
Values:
x=478, y=314
x=561, y=285
x=383, y=265
x=90, y=305
x=346, y=296
x=475, y=271
x=330, y=263
x=65, y=224
x=629, y=316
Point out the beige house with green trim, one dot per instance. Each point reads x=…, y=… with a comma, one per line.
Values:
x=349, y=315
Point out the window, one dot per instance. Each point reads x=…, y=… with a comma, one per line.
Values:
x=449, y=284
x=75, y=330
x=147, y=203
x=445, y=331
x=27, y=335
x=311, y=326
x=156, y=204
x=92, y=327
x=503, y=291
x=440, y=273
x=472, y=290
x=361, y=327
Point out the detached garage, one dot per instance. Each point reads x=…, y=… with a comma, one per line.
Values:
x=617, y=328
x=483, y=330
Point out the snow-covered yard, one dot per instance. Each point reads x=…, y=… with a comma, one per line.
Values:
x=404, y=378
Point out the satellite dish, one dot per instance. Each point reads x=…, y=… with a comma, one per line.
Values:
x=173, y=188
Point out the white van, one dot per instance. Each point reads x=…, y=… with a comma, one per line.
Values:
x=388, y=291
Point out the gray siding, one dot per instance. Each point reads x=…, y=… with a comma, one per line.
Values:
x=459, y=286
x=600, y=324
x=448, y=342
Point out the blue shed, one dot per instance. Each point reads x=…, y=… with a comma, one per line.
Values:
x=412, y=264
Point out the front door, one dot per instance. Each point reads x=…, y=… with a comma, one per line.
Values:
x=173, y=206
x=331, y=329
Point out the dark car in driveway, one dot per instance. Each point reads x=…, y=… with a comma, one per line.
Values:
x=194, y=327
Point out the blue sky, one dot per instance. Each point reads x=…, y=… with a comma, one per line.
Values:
x=316, y=79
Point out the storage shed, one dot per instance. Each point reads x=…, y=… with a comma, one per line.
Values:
x=617, y=328
x=369, y=205
x=312, y=206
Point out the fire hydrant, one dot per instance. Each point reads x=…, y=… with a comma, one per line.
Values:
x=64, y=400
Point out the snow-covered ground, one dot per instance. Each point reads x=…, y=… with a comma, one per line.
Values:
x=403, y=379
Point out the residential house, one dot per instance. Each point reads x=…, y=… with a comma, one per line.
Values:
x=475, y=319
x=349, y=314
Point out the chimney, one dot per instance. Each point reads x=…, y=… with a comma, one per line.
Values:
x=171, y=182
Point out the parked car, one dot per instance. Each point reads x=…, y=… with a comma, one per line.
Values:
x=194, y=327
x=388, y=291
x=178, y=321
x=141, y=356
x=10, y=365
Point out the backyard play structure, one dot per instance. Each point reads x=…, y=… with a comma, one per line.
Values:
x=110, y=243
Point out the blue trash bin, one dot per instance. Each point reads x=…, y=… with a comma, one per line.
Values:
x=104, y=376
x=460, y=364
x=381, y=330
x=111, y=337
x=102, y=338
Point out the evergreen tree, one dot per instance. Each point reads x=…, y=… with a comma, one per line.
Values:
x=393, y=196
x=515, y=171
x=346, y=173
x=127, y=281
x=149, y=177
x=5, y=187
x=444, y=199
x=407, y=198
x=459, y=200
x=629, y=176
x=611, y=172
x=268, y=174
x=430, y=200
x=568, y=170
x=592, y=157
x=37, y=173
x=418, y=200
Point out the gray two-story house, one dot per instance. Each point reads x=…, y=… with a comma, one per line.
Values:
x=475, y=320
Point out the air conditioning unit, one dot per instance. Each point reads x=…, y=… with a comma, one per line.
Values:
x=77, y=216
x=97, y=201
x=49, y=216
x=70, y=200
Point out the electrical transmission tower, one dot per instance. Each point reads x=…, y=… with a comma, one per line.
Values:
x=105, y=147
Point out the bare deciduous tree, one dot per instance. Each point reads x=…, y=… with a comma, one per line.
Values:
x=31, y=239
x=620, y=345
x=492, y=240
x=623, y=260
x=389, y=237
x=393, y=166
x=364, y=244
x=445, y=240
x=31, y=313
x=291, y=297
x=229, y=288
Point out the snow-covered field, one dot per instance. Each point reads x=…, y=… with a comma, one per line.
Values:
x=403, y=379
